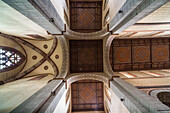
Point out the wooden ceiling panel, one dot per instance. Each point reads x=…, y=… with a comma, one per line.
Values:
x=86, y=56
x=86, y=15
x=87, y=95
x=140, y=54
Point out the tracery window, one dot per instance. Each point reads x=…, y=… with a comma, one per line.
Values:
x=10, y=58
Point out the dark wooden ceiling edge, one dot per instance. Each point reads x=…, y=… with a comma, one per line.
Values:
x=142, y=38
x=86, y=0
x=153, y=23
x=82, y=24
x=134, y=66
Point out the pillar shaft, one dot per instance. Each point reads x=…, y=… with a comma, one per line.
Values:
x=134, y=99
x=44, y=100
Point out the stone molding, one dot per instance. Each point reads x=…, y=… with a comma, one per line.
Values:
x=107, y=66
x=65, y=60
x=95, y=35
x=83, y=76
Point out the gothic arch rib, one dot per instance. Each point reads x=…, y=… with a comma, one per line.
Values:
x=55, y=68
x=45, y=56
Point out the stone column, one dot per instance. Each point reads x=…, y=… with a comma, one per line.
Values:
x=136, y=100
x=44, y=100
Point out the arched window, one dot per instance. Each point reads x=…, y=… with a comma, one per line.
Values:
x=10, y=58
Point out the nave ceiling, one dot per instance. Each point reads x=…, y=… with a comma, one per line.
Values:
x=50, y=53
x=78, y=40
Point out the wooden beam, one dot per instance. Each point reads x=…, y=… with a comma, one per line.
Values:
x=132, y=34
x=153, y=34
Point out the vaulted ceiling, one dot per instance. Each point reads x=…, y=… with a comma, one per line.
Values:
x=94, y=39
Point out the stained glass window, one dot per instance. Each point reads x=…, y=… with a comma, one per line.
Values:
x=9, y=58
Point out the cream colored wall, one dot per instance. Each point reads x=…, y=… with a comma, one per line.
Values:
x=62, y=106
x=14, y=23
x=149, y=81
x=115, y=106
x=143, y=79
x=140, y=74
x=14, y=93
